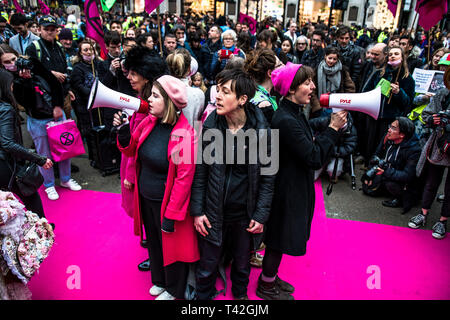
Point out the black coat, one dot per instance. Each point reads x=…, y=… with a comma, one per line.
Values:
x=81, y=83
x=348, y=137
x=312, y=59
x=289, y=225
x=10, y=138
x=207, y=195
x=401, y=103
x=402, y=159
x=25, y=93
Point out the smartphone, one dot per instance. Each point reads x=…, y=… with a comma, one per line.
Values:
x=225, y=54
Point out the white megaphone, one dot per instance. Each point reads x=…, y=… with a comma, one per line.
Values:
x=101, y=96
x=367, y=102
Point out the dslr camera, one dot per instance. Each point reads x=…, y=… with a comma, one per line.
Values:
x=444, y=116
x=378, y=163
x=24, y=63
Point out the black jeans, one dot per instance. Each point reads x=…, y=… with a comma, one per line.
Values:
x=174, y=276
x=32, y=203
x=238, y=241
x=434, y=177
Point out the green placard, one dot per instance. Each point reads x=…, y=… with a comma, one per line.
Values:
x=385, y=87
x=107, y=4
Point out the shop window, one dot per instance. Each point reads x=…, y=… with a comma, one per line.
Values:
x=291, y=10
x=172, y=6
x=232, y=8
x=353, y=14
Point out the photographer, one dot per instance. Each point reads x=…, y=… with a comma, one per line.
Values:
x=41, y=94
x=435, y=157
x=50, y=53
x=395, y=161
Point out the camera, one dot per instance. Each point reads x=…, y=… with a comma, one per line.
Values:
x=444, y=116
x=378, y=163
x=23, y=63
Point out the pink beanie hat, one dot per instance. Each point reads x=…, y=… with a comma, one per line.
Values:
x=175, y=89
x=282, y=77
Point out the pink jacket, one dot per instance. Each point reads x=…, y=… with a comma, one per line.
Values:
x=180, y=245
x=128, y=170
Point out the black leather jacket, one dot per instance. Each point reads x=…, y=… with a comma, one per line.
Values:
x=10, y=138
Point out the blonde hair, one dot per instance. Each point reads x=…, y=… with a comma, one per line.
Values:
x=179, y=63
x=202, y=84
x=170, y=115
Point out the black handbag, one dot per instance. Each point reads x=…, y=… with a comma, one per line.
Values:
x=27, y=177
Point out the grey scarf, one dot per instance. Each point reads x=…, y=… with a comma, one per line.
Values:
x=328, y=79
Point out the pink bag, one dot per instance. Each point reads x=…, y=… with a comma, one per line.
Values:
x=64, y=140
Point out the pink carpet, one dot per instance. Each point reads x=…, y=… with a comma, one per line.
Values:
x=95, y=256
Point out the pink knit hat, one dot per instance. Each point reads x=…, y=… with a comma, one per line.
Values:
x=175, y=89
x=282, y=77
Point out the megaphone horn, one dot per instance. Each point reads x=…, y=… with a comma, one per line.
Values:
x=367, y=102
x=103, y=97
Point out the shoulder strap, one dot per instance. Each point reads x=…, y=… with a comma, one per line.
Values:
x=38, y=49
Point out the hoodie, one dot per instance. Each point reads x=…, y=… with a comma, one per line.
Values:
x=401, y=158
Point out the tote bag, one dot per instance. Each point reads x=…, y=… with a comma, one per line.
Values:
x=64, y=140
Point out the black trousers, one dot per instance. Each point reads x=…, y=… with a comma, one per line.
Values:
x=32, y=203
x=172, y=277
x=271, y=262
x=434, y=176
x=238, y=241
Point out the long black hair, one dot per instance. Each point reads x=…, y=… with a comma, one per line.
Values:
x=6, y=81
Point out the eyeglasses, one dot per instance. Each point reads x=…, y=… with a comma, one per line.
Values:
x=228, y=39
x=393, y=128
x=301, y=43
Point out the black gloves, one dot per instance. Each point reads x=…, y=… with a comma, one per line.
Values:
x=168, y=225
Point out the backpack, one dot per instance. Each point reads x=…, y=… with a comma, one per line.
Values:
x=43, y=96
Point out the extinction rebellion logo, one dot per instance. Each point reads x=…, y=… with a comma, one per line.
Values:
x=66, y=138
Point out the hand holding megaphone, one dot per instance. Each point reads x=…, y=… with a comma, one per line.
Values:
x=338, y=120
x=120, y=119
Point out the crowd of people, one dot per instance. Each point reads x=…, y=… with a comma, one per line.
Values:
x=199, y=216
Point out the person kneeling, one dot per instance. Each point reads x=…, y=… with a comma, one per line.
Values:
x=395, y=166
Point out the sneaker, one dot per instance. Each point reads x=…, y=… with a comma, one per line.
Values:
x=51, y=193
x=71, y=184
x=156, y=291
x=165, y=296
x=417, y=221
x=256, y=260
x=439, y=230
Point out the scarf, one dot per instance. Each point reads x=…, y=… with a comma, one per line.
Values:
x=328, y=79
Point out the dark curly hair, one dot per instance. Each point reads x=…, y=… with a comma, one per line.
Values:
x=258, y=62
x=147, y=64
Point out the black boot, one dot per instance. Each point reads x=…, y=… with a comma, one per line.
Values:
x=284, y=286
x=144, y=265
x=144, y=244
x=271, y=291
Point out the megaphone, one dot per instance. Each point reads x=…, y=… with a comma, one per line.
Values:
x=367, y=102
x=101, y=96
